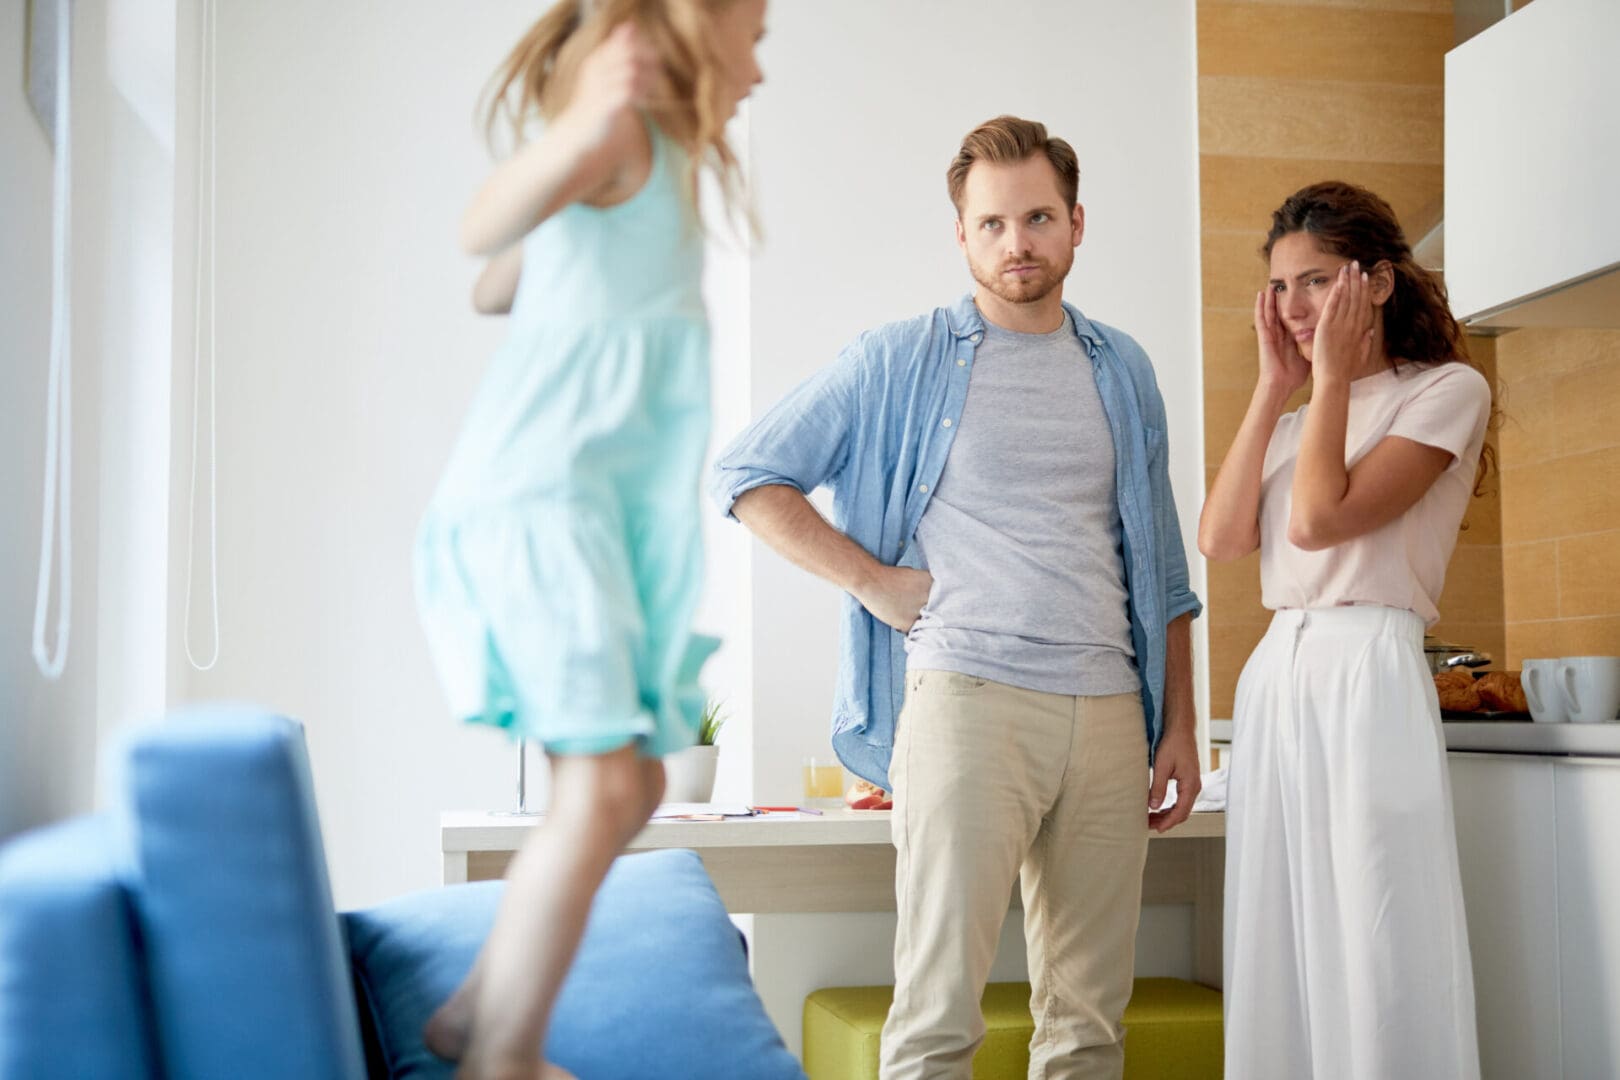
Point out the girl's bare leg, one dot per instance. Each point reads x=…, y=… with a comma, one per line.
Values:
x=496, y=1020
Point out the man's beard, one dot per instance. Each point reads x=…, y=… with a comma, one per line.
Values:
x=1026, y=291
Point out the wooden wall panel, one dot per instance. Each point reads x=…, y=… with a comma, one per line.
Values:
x=1560, y=492
x=1290, y=93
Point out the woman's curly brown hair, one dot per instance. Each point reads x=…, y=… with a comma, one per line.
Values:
x=1353, y=223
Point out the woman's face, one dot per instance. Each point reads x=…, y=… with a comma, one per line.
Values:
x=738, y=29
x=1301, y=275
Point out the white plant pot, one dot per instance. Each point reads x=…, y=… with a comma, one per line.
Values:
x=689, y=774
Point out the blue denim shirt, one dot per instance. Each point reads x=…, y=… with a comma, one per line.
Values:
x=871, y=426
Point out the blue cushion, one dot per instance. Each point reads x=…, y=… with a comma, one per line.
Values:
x=72, y=1002
x=660, y=987
x=247, y=967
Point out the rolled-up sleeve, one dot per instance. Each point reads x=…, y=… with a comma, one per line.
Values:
x=802, y=442
x=1179, y=598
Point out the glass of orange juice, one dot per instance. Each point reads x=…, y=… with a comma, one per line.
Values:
x=823, y=783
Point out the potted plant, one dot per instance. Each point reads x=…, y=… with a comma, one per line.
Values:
x=689, y=773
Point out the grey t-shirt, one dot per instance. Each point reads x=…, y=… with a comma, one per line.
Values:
x=1023, y=536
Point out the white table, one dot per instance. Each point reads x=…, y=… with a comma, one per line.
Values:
x=843, y=861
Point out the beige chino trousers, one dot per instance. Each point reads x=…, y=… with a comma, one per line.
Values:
x=994, y=784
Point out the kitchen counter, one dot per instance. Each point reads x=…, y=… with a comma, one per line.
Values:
x=1507, y=737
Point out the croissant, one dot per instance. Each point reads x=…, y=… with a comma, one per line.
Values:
x=1501, y=690
x=1454, y=676
x=1457, y=691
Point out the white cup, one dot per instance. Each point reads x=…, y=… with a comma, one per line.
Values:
x=1590, y=687
x=1540, y=682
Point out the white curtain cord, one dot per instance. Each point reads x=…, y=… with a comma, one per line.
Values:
x=207, y=162
x=59, y=392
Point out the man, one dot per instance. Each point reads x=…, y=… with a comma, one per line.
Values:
x=999, y=478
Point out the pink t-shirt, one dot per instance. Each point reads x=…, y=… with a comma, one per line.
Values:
x=1403, y=564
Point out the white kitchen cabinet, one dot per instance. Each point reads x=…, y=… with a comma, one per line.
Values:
x=1532, y=225
x=1541, y=881
x=1505, y=806
x=1588, y=814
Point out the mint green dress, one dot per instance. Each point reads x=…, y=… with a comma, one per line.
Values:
x=560, y=561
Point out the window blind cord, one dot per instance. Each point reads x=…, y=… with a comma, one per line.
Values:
x=59, y=385
x=207, y=170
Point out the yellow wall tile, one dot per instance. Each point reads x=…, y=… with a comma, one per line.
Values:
x=1231, y=358
x=1228, y=651
x=1589, y=637
x=1532, y=640
x=1589, y=575
x=1482, y=351
x=1528, y=434
x=1530, y=507
x=1482, y=520
x=1298, y=118
x=1223, y=415
x=1233, y=270
x=1530, y=581
x=1241, y=192
x=1234, y=590
x=1359, y=5
x=1587, y=405
x=1518, y=358
x=1585, y=490
x=1488, y=637
x=1324, y=43
x=1473, y=590
x=1543, y=351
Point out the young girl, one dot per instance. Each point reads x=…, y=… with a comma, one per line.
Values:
x=1346, y=948
x=559, y=563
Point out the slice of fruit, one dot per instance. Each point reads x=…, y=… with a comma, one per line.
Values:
x=865, y=795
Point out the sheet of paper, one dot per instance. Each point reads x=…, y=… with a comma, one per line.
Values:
x=688, y=811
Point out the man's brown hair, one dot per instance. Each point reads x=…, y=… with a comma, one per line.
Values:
x=1007, y=140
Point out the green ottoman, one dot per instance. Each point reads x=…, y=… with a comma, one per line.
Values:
x=1172, y=1032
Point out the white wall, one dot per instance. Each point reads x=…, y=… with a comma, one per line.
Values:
x=36, y=757
x=863, y=108
x=347, y=351
x=122, y=195
x=134, y=256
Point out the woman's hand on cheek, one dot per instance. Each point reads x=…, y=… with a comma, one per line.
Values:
x=1281, y=364
x=1344, y=332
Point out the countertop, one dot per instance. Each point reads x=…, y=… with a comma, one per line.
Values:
x=1508, y=737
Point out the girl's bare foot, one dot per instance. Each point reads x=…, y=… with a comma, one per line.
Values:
x=449, y=1028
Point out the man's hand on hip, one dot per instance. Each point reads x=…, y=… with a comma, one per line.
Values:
x=895, y=594
x=1177, y=759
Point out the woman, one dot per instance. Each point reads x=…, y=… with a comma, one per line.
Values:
x=1346, y=946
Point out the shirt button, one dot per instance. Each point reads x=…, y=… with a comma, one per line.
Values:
x=923, y=488
x=960, y=362
x=976, y=338
x=945, y=422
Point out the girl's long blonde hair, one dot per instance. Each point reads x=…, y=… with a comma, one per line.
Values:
x=537, y=78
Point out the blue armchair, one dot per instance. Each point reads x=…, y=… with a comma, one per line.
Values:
x=189, y=933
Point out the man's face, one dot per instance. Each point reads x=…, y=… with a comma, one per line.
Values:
x=1017, y=230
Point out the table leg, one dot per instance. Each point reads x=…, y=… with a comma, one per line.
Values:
x=1209, y=906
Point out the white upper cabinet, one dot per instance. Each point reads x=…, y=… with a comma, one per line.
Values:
x=1532, y=203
